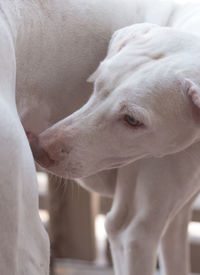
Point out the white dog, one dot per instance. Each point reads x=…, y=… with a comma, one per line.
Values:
x=145, y=103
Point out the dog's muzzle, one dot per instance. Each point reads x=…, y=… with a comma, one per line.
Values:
x=39, y=154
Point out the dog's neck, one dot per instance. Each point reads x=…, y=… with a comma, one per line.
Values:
x=29, y=15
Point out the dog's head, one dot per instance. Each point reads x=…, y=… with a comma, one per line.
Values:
x=146, y=102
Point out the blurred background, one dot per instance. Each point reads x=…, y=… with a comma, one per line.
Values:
x=74, y=219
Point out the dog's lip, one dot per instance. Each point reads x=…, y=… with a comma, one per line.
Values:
x=111, y=163
x=47, y=163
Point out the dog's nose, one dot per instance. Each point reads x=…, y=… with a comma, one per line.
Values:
x=39, y=153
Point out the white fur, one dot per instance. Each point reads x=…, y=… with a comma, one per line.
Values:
x=55, y=45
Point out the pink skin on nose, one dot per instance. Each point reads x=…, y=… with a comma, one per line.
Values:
x=39, y=154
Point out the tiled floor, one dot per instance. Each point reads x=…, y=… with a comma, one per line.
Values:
x=71, y=268
x=68, y=268
x=80, y=269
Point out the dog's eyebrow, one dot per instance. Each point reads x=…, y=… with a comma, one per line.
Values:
x=137, y=111
x=126, y=107
x=123, y=107
x=99, y=84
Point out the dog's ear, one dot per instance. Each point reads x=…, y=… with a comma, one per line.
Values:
x=193, y=91
x=121, y=38
x=134, y=33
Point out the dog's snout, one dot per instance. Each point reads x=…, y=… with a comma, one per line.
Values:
x=48, y=150
x=40, y=154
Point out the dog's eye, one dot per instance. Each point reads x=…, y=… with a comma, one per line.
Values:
x=132, y=121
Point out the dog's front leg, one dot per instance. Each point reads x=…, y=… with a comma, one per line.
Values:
x=145, y=202
x=175, y=240
x=130, y=228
